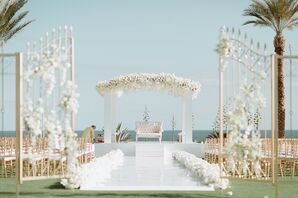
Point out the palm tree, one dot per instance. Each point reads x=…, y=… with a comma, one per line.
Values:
x=11, y=23
x=277, y=15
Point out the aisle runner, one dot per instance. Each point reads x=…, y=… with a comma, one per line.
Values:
x=150, y=170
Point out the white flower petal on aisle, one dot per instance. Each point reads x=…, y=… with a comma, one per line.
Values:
x=98, y=171
x=205, y=172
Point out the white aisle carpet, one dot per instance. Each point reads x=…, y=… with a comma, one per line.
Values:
x=150, y=170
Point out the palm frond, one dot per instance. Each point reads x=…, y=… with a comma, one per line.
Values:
x=10, y=18
x=16, y=20
x=277, y=14
x=12, y=8
x=216, y=135
x=16, y=30
x=118, y=127
x=292, y=23
x=122, y=135
x=4, y=7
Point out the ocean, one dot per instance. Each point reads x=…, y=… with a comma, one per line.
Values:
x=169, y=135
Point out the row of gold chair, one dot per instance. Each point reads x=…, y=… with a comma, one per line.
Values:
x=287, y=158
x=38, y=159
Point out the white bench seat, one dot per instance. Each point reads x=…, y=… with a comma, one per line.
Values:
x=149, y=130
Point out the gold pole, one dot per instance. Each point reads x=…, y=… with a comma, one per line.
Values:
x=221, y=81
x=72, y=76
x=222, y=35
x=19, y=125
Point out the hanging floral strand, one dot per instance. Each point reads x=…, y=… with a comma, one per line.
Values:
x=69, y=104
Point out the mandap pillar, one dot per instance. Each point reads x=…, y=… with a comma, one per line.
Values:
x=109, y=116
x=187, y=118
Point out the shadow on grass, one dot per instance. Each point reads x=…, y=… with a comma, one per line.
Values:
x=68, y=193
x=136, y=194
x=156, y=194
x=56, y=185
x=78, y=193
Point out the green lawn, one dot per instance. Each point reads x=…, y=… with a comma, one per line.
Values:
x=51, y=188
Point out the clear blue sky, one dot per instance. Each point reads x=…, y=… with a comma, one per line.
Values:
x=116, y=37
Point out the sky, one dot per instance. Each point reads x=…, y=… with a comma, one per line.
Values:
x=118, y=37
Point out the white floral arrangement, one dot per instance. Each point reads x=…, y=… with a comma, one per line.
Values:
x=32, y=117
x=70, y=105
x=32, y=121
x=241, y=148
x=69, y=101
x=96, y=172
x=224, y=49
x=45, y=75
x=72, y=181
x=164, y=81
x=206, y=173
x=100, y=169
x=44, y=65
x=54, y=131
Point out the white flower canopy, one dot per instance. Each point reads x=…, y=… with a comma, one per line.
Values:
x=176, y=86
x=185, y=88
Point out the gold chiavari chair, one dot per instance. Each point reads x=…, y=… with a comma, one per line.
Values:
x=295, y=157
x=206, y=148
x=33, y=158
x=286, y=159
x=266, y=161
x=81, y=150
x=57, y=162
x=210, y=145
x=7, y=157
x=87, y=150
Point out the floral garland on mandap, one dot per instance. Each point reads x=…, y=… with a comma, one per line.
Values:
x=205, y=172
x=168, y=82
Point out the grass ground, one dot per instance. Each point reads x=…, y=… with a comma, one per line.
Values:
x=52, y=188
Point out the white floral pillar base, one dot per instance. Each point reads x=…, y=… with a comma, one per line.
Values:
x=187, y=118
x=109, y=116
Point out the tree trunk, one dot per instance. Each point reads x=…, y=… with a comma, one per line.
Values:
x=279, y=45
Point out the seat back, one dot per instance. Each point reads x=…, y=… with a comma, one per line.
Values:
x=149, y=127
